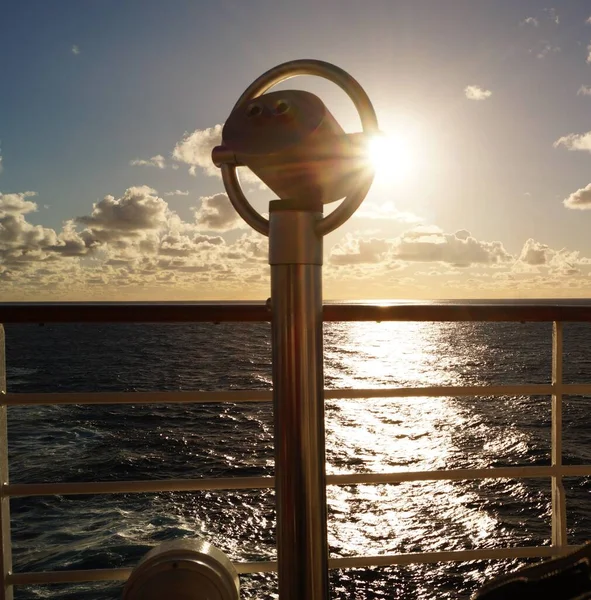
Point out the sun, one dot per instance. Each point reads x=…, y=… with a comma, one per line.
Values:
x=393, y=157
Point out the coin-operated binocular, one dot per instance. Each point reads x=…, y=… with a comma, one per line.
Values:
x=291, y=141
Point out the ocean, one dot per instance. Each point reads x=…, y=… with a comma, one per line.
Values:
x=90, y=443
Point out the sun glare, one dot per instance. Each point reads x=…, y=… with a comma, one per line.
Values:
x=393, y=157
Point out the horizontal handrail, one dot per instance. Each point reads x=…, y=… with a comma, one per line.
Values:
x=240, y=483
x=243, y=568
x=183, y=312
x=240, y=396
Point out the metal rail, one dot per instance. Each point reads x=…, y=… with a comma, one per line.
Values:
x=185, y=312
x=14, y=490
x=379, y=560
x=174, y=312
x=243, y=396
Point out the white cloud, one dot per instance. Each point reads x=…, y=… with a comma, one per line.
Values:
x=1, y=167
x=249, y=246
x=20, y=242
x=23, y=244
x=534, y=253
x=421, y=244
x=475, y=92
x=177, y=193
x=531, y=21
x=584, y=90
x=139, y=209
x=459, y=249
x=155, y=161
x=552, y=15
x=545, y=49
x=575, y=141
x=137, y=244
x=16, y=204
x=579, y=200
x=216, y=213
x=195, y=149
x=588, y=60
x=70, y=243
x=588, y=21
x=75, y=50
x=352, y=250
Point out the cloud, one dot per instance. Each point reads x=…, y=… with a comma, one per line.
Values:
x=1, y=166
x=475, y=92
x=17, y=204
x=155, y=161
x=575, y=141
x=177, y=193
x=139, y=209
x=579, y=200
x=545, y=49
x=195, y=148
x=588, y=60
x=136, y=242
x=421, y=244
x=175, y=244
x=21, y=242
x=75, y=50
x=534, y=253
x=352, y=250
x=535, y=22
x=552, y=15
x=216, y=213
x=385, y=211
x=250, y=246
x=70, y=243
x=588, y=21
x=459, y=249
x=584, y=90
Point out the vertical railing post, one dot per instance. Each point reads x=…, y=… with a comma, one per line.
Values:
x=558, y=496
x=295, y=256
x=5, y=544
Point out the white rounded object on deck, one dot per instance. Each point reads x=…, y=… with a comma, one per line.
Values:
x=183, y=570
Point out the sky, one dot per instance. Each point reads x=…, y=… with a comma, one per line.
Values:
x=109, y=111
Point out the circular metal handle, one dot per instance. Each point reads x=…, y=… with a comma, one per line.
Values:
x=369, y=123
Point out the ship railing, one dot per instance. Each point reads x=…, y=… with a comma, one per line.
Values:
x=555, y=313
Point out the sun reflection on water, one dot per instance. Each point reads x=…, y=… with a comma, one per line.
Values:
x=402, y=434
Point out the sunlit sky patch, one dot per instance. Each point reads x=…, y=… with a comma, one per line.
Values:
x=109, y=111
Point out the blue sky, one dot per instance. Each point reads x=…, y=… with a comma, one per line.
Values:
x=89, y=87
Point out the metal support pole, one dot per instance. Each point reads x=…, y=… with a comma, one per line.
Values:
x=5, y=545
x=293, y=143
x=295, y=256
x=559, y=535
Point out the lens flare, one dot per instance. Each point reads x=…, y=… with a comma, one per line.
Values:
x=393, y=157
